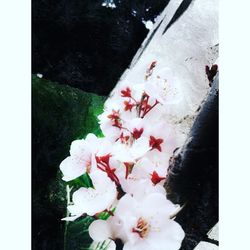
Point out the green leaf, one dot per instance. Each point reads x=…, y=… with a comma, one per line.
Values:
x=81, y=181
x=105, y=215
x=100, y=245
x=76, y=234
x=60, y=114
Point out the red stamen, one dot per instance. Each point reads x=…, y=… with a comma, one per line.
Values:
x=155, y=143
x=137, y=133
x=149, y=108
x=143, y=103
x=126, y=92
x=129, y=167
x=103, y=159
x=155, y=178
x=115, y=118
x=128, y=106
x=142, y=228
x=123, y=139
x=152, y=65
x=103, y=164
x=115, y=115
x=150, y=69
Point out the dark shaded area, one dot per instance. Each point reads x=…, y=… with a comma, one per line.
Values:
x=194, y=174
x=211, y=73
x=119, y=244
x=86, y=45
x=144, y=9
x=76, y=237
x=60, y=114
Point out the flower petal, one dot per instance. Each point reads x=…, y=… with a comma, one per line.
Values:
x=100, y=230
x=71, y=169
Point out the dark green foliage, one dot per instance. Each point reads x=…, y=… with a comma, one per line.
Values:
x=60, y=114
x=76, y=234
x=81, y=181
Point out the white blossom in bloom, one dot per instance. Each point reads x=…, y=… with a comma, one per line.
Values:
x=82, y=156
x=142, y=178
x=100, y=230
x=140, y=188
x=94, y=200
x=130, y=153
x=128, y=168
x=163, y=86
x=136, y=126
x=143, y=224
x=78, y=162
x=127, y=90
x=110, y=121
x=146, y=169
x=163, y=141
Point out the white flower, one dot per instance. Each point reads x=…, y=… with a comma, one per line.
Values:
x=143, y=224
x=82, y=156
x=140, y=188
x=78, y=162
x=130, y=153
x=163, y=85
x=163, y=141
x=127, y=90
x=133, y=159
x=142, y=178
x=100, y=230
x=146, y=169
x=110, y=121
x=94, y=200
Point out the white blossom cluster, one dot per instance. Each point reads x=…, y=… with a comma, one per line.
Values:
x=127, y=168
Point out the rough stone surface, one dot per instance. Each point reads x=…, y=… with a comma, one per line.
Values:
x=193, y=175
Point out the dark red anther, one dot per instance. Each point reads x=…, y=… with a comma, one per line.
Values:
x=123, y=138
x=115, y=115
x=126, y=92
x=129, y=167
x=115, y=118
x=137, y=133
x=155, y=143
x=104, y=159
x=150, y=69
x=152, y=65
x=103, y=164
x=155, y=178
x=128, y=106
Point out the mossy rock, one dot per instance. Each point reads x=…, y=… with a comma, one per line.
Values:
x=60, y=114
